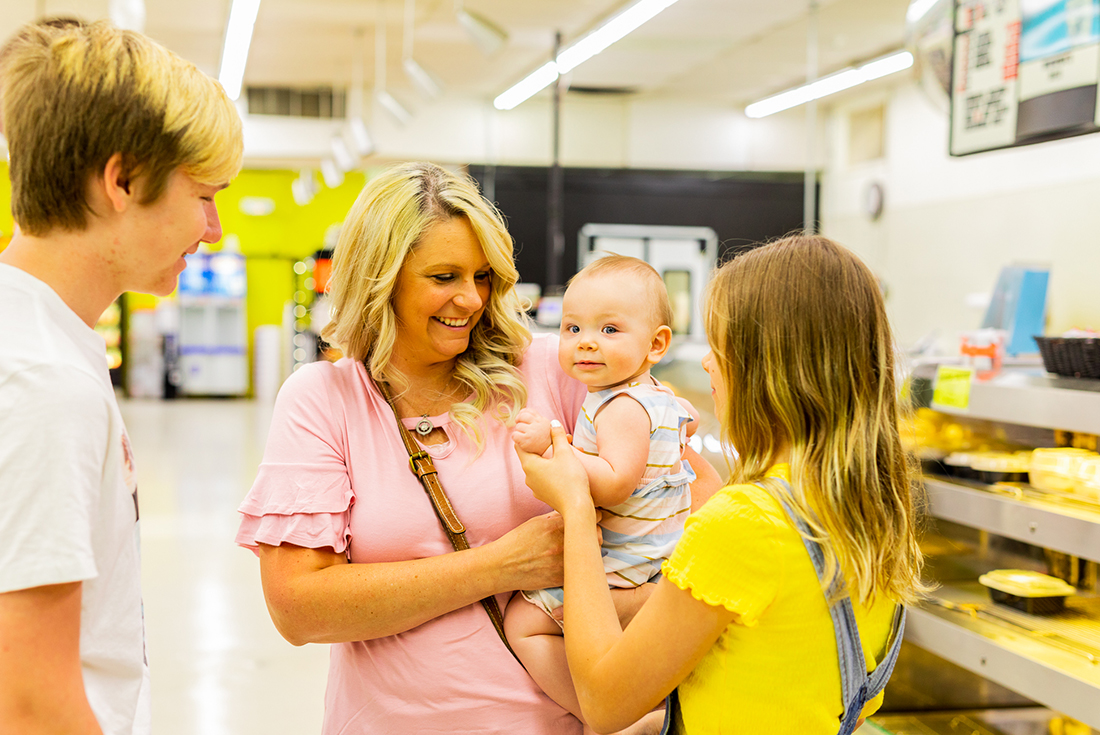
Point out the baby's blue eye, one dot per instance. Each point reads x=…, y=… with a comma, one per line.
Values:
x=573, y=329
x=609, y=329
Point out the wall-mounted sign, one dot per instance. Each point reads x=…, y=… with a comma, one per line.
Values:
x=1024, y=71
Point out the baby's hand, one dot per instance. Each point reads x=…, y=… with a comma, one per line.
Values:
x=531, y=432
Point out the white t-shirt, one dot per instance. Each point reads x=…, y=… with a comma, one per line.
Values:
x=68, y=495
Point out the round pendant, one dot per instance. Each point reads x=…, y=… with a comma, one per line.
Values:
x=424, y=426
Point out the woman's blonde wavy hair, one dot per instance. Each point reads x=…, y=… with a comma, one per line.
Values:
x=801, y=339
x=382, y=229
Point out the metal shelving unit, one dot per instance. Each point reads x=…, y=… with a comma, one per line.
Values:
x=1041, y=666
x=1033, y=519
x=1034, y=398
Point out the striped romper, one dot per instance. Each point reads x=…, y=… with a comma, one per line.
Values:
x=641, y=532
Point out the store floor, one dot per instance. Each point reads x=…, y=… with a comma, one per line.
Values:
x=219, y=667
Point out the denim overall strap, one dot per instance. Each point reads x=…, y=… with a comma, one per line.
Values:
x=856, y=685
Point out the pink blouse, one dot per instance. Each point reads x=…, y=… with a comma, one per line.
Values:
x=335, y=475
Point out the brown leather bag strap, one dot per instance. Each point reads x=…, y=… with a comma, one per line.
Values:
x=423, y=467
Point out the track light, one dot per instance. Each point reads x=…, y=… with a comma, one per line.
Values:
x=488, y=36
x=392, y=106
x=360, y=138
x=332, y=175
x=427, y=84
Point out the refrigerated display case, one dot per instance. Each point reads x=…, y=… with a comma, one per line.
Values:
x=1053, y=660
x=969, y=666
x=212, y=341
x=112, y=328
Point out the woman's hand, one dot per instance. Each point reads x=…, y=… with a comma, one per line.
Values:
x=531, y=554
x=559, y=480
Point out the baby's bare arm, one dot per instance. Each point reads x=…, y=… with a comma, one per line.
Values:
x=622, y=440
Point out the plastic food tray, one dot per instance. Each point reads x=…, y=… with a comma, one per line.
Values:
x=1031, y=592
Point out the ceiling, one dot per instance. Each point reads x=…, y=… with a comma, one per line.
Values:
x=728, y=51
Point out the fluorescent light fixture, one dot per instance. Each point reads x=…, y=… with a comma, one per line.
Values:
x=838, y=82
x=392, y=106
x=488, y=36
x=609, y=32
x=581, y=50
x=534, y=82
x=238, y=37
x=918, y=9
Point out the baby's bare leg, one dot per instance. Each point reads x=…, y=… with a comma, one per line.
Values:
x=537, y=641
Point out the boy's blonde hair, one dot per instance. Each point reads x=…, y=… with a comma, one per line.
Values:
x=384, y=226
x=72, y=95
x=800, y=335
x=645, y=274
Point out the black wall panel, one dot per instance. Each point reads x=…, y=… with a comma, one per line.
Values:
x=743, y=208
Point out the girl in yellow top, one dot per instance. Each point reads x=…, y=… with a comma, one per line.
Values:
x=802, y=373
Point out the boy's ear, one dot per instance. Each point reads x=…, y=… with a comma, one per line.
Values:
x=117, y=186
x=662, y=340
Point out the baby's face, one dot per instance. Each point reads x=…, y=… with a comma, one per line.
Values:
x=607, y=330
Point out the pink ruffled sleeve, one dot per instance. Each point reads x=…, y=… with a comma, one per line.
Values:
x=302, y=493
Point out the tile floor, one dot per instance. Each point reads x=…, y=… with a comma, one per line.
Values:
x=219, y=667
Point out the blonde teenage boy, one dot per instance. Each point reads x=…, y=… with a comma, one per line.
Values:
x=630, y=438
x=117, y=148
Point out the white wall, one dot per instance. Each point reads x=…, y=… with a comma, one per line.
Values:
x=612, y=132
x=949, y=224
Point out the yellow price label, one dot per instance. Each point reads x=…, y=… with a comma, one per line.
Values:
x=952, y=389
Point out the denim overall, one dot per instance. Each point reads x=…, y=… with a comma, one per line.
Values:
x=857, y=687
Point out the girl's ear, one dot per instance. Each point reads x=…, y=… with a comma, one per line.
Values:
x=662, y=340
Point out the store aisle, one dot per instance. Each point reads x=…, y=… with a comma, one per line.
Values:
x=219, y=667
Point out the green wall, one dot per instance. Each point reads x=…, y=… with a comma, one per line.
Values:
x=271, y=243
x=5, y=205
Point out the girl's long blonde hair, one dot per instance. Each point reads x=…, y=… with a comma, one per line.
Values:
x=384, y=225
x=800, y=336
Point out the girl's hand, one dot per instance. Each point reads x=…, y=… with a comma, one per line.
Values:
x=559, y=480
x=531, y=432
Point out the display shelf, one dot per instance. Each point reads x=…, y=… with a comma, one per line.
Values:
x=1070, y=529
x=1036, y=664
x=1033, y=398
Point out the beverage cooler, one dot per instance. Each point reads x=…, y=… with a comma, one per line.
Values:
x=213, y=334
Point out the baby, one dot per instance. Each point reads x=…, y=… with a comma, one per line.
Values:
x=629, y=436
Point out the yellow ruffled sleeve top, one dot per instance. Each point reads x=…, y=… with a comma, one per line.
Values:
x=774, y=669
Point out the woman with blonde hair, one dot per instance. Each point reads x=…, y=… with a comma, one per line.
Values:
x=351, y=550
x=781, y=608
